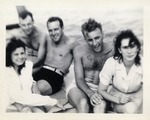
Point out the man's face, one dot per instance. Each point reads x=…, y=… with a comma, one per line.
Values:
x=94, y=39
x=55, y=31
x=26, y=25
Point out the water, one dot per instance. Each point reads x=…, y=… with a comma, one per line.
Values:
x=112, y=20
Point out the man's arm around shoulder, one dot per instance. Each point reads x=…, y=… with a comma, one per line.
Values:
x=41, y=53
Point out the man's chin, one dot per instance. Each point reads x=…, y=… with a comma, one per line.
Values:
x=56, y=40
x=97, y=50
x=28, y=32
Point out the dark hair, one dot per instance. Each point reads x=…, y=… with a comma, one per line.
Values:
x=25, y=13
x=132, y=40
x=12, y=46
x=90, y=25
x=52, y=19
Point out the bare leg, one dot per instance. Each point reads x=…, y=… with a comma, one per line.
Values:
x=26, y=110
x=100, y=108
x=59, y=95
x=135, y=106
x=19, y=106
x=44, y=87
x=72, y=110
x=129, y=107
x=12, y=108
x=79, y=100
x=37, y=110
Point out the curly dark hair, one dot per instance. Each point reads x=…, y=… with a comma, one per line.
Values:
x=132, y=40
x=90, y=25
x=12, y=46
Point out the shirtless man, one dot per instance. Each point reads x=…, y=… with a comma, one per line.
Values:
x=88, y=62
x=34, y=38
x=58, y=58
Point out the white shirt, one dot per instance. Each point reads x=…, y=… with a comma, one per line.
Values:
x=115, y=73
x=19, y=88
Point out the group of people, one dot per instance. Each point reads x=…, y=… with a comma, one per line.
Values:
x=102, y=74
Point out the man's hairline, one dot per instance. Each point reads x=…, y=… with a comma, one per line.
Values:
x=85, y=31
x=25, y=18
x=55, y=21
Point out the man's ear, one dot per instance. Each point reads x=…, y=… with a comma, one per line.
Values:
x=138, y=50
x=103, y=35
x=119, y=50
x=62, y=27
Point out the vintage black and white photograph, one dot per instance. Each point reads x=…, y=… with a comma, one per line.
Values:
x=74, y=60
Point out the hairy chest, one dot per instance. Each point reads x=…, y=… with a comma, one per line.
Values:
x=93, y=62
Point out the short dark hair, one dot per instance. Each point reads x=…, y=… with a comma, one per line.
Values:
x=12, y=45
x=52, y=19
x=25, y=13
x=132, y=40
x=90, y=25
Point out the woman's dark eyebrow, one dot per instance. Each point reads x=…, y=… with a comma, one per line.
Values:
x=125, y=46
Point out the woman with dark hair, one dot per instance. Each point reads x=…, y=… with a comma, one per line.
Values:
x=124, y=72
x=21, y=88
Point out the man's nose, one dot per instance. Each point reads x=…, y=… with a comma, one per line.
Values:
x=27, y=27
x=53, y=32
x=94, y=42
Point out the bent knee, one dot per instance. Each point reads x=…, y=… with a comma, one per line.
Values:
x=83, y=102
x=101, y=107
x=102, y=104
x=44, y=87
x=83, y=106
x=131, y=108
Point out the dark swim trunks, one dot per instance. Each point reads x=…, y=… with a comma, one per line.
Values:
x=53, y=78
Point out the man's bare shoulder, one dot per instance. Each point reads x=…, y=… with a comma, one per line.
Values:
x=71, y=42
x=108, y=47
x=40, y=31
x=81, y=49
x=41, y=34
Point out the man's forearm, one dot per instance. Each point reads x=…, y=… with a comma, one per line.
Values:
x=84, y=87
x=36, y=69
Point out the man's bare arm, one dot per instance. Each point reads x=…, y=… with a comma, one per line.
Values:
x=79, y=73
x=41, y=54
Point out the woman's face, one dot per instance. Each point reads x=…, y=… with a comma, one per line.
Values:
x=18, y=56
x=129, y=52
